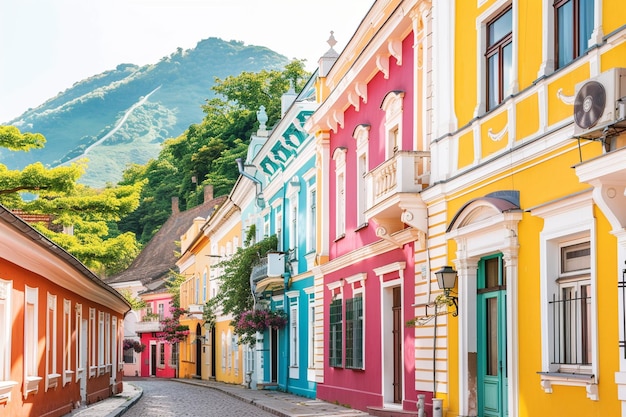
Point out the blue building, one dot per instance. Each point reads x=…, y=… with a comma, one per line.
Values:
x=282, y=164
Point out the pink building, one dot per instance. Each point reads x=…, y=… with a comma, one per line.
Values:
x=159, y=358
x=376, y=165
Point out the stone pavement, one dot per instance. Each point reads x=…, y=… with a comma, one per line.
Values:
x=113, y=406
x=275, y=402
x=279, y=403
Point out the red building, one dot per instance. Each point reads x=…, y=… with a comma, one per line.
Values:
x=60, y=327
x=376, y=165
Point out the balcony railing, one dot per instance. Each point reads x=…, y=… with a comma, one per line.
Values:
x=405, y=172
x=259, y=271
x=148, y=325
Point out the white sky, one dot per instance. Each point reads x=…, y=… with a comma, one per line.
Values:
x=48, y=45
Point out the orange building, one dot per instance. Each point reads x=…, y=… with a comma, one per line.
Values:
x=60, y=327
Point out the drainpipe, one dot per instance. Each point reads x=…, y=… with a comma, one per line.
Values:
x=259, y=194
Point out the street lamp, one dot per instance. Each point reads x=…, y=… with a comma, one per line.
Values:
x=446, y=278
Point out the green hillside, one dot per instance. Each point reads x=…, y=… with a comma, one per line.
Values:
x=123, y=115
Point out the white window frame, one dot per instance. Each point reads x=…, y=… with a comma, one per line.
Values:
x=67, y=341
x=393, y=106
x=101, y=364
x=566, y=222
x=6, y=385
x=80, y=371
x=31, y=341
x=229, y=353
x=548, y=52
x=107, y=342
x=310, y=296
x=311, y=224
x=339, y=156
x=362, y=136
x=52, y=377
x=294, y=334
x=482, y=21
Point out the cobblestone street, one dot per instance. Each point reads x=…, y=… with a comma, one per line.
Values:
x=164, y=398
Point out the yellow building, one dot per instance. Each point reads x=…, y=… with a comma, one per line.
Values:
x=528, y=205
x=224, y=231
x=194, y=263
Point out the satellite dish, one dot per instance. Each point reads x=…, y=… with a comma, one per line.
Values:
x=589, y=104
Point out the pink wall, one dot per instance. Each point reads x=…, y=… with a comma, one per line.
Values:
x=362, y=388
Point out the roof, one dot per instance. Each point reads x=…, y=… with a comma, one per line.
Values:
x=158, y=257
x=47, y=256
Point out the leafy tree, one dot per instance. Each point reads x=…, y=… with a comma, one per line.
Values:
x=84, y=211
x=136, y=303
x=173, y=287
x=207, y=150
x=235, y=295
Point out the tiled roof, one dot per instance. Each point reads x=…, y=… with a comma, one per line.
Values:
x=158, y=257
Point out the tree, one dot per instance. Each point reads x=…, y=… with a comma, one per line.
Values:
x=235, y=295
x=207, y=150
x=86, y=212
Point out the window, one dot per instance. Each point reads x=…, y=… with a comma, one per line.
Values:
x=174, y=355
x=80, y=341
x=161, y=311
x=311, y=330
x=569, y=323
x=107, y=339
x=229, y=356
x=162, y=354
x=312, y=221
x=393, y=105
x=335, y=333
x=129, y=355
x=93, y=361
x=293, y=332
x=51, y=343
x=573, y=28
x=204, y=287
x=570, y=309
x=67, y=341
x=197, y=296
x=340, y=192
x=361, y=134
x=6, y=385
x=354, y=332
x=31, y=340
x=101, y=342
x=5, y=330
x=499, y=55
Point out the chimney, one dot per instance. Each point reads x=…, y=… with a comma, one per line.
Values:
x=208, y=193
x=175, y=209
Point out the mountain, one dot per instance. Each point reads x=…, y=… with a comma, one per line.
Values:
x=123, y=115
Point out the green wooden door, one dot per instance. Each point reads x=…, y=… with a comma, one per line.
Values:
x=492, y=372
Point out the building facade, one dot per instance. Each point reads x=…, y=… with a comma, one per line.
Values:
x=526, y=203
x=285, y=163
x=60, y=327
x=374, y=162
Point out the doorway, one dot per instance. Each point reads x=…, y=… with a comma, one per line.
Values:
x=153, y=359
x=274, y=355
x=492, y=343
x=199, y=351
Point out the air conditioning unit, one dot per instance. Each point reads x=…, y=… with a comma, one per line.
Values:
x=598, y=103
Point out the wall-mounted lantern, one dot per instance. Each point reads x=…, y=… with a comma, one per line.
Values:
x=446, y=278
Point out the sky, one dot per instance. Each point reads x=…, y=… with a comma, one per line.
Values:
x=48, y=45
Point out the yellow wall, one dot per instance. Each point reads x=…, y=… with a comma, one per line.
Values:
x=540, y=179
x=225, y=372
